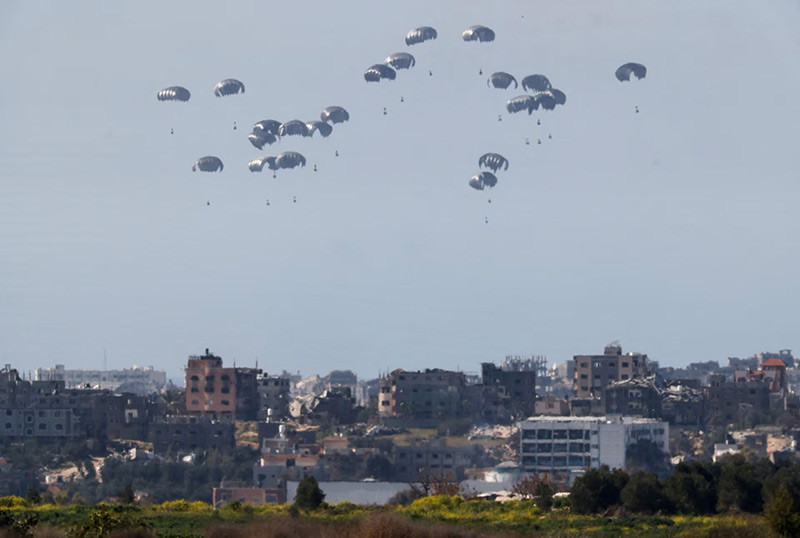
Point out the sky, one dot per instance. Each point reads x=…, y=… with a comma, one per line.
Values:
x=672, y=230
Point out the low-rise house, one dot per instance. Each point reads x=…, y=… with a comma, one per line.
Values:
x=551, y=405
x=434, y=458
x=189, y=433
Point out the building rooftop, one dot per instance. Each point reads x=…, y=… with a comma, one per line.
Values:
x=609, y=419
x=773, y=362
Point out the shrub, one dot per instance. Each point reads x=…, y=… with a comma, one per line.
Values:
x=781, y=514
x=309, y=495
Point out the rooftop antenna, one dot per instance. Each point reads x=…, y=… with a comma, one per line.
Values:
x=105, y=360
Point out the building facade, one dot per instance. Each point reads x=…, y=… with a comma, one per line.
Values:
x=427, y=396
x=563, y=447
x=593, y=373
x=218, y=392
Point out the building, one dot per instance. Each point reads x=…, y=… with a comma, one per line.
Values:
x=734, y=402
x=427, y=397
x=551, y=405
x=247, y=495
x=218, y=392
x=274, y=393
x=135, y=380
x=434, y=458
x=593, y=373
x=563, y=447
x=634, y=397
x=509, y=391
x=189, y=433
x=683, y=404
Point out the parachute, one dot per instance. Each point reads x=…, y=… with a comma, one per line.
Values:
x=478, y=33
x=229, y=86
x=379, y=71
x=501, y=80
x=559, y=96
x=420, y=35
x=207, y=164
x=335, y=114
x=522, y=102
x=174, y=93
x=289, y=159
x=482, y=180
x=401, y=60
x=493, y=161
x=256, y=165
x=536, y=83
x=294, y=127
x=260, y=138
x=272, y=127
x=324, y=128
x=625, y=71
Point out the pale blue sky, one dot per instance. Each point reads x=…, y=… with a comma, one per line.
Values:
x=673, y=230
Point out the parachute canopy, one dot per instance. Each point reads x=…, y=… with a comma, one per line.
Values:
x=260, y=138
x=625, y=71
x=478, y=33
x=334, y=114
x=256, y=165
x=522, y=102
x=420, y=35
x=207, y=164
x=501, y=80
x=401, y=60
x=174, y=93
x=379, y=71
x=293, y=128
x=229, y=86
x=493, y=161
x=272, y=127
x=482, y=180
x=289, y=159
x=324, y=128
x=536, y=83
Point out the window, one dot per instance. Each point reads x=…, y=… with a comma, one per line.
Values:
x=210, y=378
x=59, y=426
x=226, y=377
x=624, y=364
x=8, y=412
x=584, y=376
x=385, y=402
x=194, y=378
x=226, y=402
x=544, y=434
x=42, y=426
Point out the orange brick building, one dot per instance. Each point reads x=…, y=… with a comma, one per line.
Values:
x=218, y=392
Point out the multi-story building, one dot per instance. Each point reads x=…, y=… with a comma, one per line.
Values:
x=635, y=397
x=563, y=447
x=683, y=404
x=274, y=393
x=593, y=373
x=736, y=401
x=135, y=380
x=427, y=396
x=219, y=392
x=508, y=393
x=189, y=433
x=432, y=458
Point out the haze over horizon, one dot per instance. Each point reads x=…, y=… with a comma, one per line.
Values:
x=672, y=231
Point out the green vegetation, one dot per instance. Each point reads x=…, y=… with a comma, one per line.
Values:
x=433, y=516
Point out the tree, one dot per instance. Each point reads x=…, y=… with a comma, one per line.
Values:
x=597, y=490
x=33, y=496
x=540, y=489
x=309, y=495
x=126, y=495
x=645, y=455
x=691, y=489
x=781, y=515
x=643, y=494
x=739, y=488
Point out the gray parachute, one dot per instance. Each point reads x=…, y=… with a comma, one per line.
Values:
x=420, y=35
x=229, y=86
x=624, y=72
x=536, y=83
x=261, y=138
x=401, y=60
x=207, y=164
x=174, y=93
x=335, y=114
x=549, y=99
x=272, y=127
x=478, y=33
x=256, y=165
x=378, y=71
x=493, y=161
x=289, y=159
x=481, y=180
x=522, y=102
x=324, y=128
x=501, y=80
x=293, y=128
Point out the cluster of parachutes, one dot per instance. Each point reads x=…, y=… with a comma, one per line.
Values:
x=270, y=131
x=542, y=94
x=484, y=179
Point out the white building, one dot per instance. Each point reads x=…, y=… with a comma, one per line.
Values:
x=564, y=447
